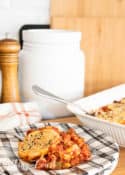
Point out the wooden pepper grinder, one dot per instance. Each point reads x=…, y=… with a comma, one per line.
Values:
x=9, y=50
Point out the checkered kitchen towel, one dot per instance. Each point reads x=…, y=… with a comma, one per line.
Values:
x=18, y=114
x=104, y=150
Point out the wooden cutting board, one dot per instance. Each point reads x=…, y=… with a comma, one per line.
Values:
x=88, y=8
x=103, y=41
x=102, y=23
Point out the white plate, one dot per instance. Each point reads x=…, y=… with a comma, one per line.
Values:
x=90, y=103
x=105, y=153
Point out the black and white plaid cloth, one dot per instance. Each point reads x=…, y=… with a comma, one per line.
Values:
x=105, y=153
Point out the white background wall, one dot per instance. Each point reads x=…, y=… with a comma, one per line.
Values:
x=15, y=13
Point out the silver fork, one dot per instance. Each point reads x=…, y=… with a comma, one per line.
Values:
x=74, y=108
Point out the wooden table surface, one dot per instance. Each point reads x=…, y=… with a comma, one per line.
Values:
x=120, y=169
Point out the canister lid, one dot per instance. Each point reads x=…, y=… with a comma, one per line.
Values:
x=9, y=46
x=51, y=36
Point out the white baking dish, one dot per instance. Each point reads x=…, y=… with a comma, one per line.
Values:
x=117, y=131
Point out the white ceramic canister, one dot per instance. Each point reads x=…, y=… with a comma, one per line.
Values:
x=53, y=60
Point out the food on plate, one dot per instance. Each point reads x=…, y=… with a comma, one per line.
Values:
x=114, y=112
x=59, y=149
x=37, y=142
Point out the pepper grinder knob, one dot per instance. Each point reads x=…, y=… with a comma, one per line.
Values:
x=9, y=49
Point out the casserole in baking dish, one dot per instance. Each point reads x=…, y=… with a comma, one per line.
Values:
x=95, y=102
